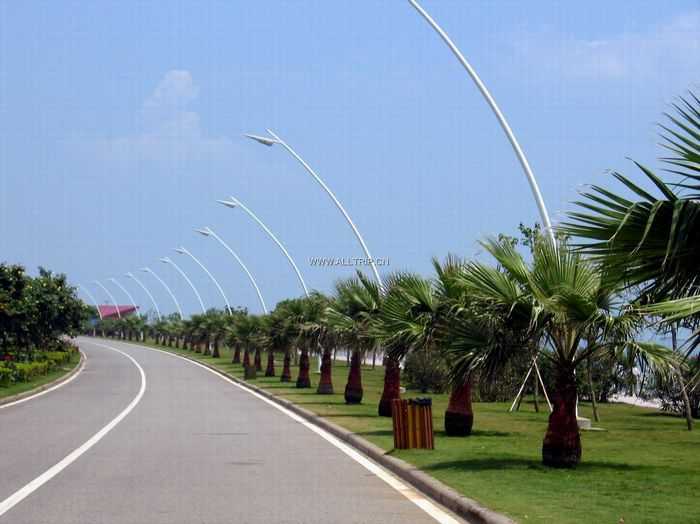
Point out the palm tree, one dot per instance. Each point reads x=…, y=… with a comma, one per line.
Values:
x=284, y=332
x=245, y=328
x=411, y=317
x=653, y=243
x=349, y=315
x=312, y=335
x=560, y=298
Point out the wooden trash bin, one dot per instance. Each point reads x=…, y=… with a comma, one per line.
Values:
x=250, y=372
x=413, y=423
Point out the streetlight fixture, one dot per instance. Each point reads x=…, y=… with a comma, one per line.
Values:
x=133, y=302
x=167, y=288
x=208, y=232
x=499, y=116
x=89, y=295
x=184, y=251
x=167, y=260
x=111, y=297
x=233, y=203
x=153, y=300
x=274, y=139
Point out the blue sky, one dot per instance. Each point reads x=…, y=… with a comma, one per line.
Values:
x=121, y=123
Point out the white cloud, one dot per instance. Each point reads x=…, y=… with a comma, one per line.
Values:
x=666, y=48
x=176, y=88
x=170, y=132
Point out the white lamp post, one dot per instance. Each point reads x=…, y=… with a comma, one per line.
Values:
x=167, y=260
x=233, y=203
x=499, y=116
x=167, y=288
x=111, y=297
x=153, y=300
x=274, y=139
x=133, y=302
x=89, y=295
x=208, y=232
x=184, y=251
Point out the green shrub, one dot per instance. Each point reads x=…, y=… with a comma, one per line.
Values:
x=26, y=371
x=425, y=371
x=57, y=358
x=5, y=376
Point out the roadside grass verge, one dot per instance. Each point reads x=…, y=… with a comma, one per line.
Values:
x=643, y=468
x=21, y=387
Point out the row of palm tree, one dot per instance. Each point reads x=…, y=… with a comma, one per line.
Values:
x=574, y=303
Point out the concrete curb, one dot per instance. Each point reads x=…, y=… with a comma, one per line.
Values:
x=465, y=507
x=25, y=394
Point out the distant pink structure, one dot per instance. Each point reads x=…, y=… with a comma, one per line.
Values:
x=111, y=312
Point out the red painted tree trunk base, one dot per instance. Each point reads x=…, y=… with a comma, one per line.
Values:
x=270, y=370
x=246, y=358
x=459, y=417
x=215, y=350
x=392, y=383
x=325, y=384
x=258, y=360
x=286, y=368
x=236, y=356
x=303, y=380
x=561, y=447
x=353, y=389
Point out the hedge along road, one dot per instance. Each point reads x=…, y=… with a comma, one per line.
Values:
x=194, y=448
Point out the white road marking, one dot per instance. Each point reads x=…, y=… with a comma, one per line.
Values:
x=410, y=493
x=54, y=470
x=49, y=390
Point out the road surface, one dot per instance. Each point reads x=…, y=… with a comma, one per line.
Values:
x=156, y=439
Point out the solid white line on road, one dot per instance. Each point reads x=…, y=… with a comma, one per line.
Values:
x=49, y=390
x=410, y=493
x=54, y=470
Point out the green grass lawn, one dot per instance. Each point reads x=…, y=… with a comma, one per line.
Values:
x=643, y=468
x=21, y=387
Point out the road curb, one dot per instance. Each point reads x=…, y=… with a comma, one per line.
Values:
x=463, y=506
x=25, y=394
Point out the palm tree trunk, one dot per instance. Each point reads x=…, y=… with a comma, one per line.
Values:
x=303, y=380
x=679, y=377
x=392, y=383
x=594, y=403
x=270, y=370
x=353, y=389
x=258, y=359
x=325, y=384
x=561, y=447
x=236, y=354
x=459, y=417
x=246, y=357
x=286, y=368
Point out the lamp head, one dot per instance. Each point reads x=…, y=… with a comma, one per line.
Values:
x=204, y=231
x=181, y=250
x=129, y=274
x=228, y=203
x=146, y=269
x=263, y=140
x=165, y=260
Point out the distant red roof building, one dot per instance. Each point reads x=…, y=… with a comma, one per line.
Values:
x=111, y=312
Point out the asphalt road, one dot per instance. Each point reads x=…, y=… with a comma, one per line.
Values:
x=188, y=448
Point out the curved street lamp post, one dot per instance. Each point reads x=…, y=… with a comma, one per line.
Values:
x=184, y=251
x=167, y=288
x=208, y=232
x=167, y=260
x=153, y=300
x=274, y=139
